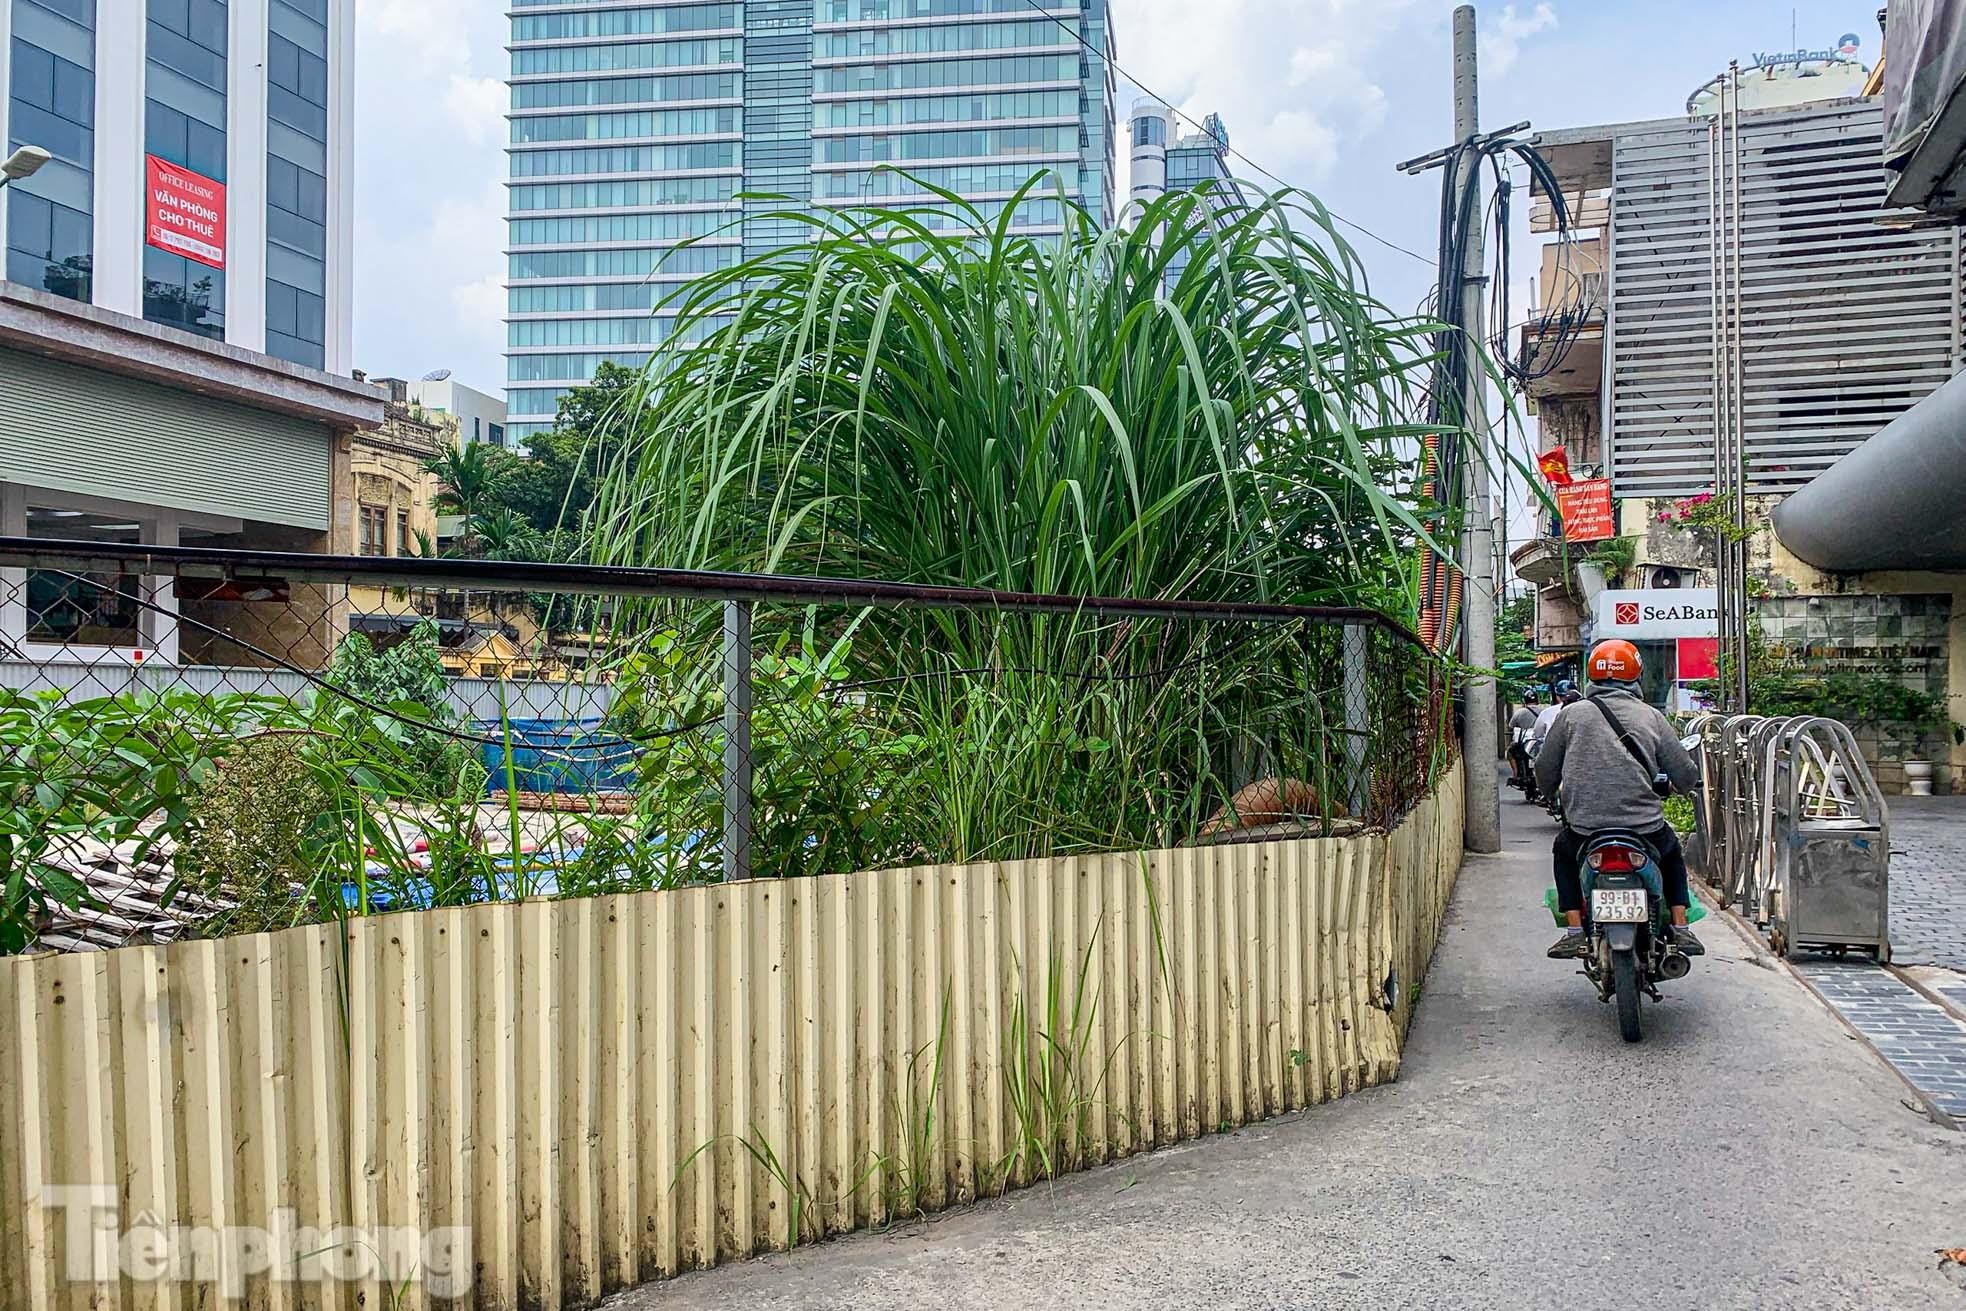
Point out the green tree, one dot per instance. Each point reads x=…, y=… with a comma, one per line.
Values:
x=472, y=481
x=407, y=680
x=1516, y=617
x=555, y=484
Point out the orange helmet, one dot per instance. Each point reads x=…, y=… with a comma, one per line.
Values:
x=1615, y=661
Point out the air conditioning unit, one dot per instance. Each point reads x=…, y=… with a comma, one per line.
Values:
x=1667, y=578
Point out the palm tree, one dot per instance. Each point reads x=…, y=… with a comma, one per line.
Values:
x=468, y=476
x=502, y=533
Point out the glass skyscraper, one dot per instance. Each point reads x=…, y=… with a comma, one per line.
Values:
x=634, y=129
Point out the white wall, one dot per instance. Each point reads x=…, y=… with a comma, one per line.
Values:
x=341, y=185
x=245, y=194
x=119, y=211
x=466, y=403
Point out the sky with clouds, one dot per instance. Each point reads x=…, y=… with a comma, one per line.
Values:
x=1327, y=94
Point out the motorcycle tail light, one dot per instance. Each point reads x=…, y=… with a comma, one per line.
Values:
x=1614, y=860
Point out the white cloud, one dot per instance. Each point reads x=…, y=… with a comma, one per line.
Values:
x=430, y=164
x=1294, y=80
x=1327, y=93
x=1306, y=137
x=482, y=301
x=477, y=106
x=1501, y=40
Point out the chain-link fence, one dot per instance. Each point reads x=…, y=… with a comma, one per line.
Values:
x=199, y=742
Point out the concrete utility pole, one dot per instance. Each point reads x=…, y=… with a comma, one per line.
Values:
x=1482, y=742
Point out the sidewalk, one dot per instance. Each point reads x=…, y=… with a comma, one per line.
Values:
x=1920, y=1030
x=1747, y=1154
x=1928, y=882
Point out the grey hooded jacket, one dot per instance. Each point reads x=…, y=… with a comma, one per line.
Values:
x=1598, y=782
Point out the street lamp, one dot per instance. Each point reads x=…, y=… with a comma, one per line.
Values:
x=23, y=163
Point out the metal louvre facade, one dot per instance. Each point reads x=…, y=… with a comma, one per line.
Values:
x=1843, y=323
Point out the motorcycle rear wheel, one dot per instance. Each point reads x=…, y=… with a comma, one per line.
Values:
x=1624, y=979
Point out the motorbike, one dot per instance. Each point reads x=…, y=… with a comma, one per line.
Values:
x=1522, y=764
x=1629, y=926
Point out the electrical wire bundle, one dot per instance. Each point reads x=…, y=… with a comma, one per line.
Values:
x=1440, y=582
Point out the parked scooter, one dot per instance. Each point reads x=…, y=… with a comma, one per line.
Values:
x=1629, y=926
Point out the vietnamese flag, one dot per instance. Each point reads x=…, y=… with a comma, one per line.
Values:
x=1555, y=466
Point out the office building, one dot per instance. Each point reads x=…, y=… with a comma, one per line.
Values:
x=635, y=128
x=1165, y=159
x=202, y=154
x=480, y=416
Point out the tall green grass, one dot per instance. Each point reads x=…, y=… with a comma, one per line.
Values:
x=981, y=407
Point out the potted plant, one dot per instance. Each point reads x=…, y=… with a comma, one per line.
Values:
x=1918, y=777
x=1605, y=566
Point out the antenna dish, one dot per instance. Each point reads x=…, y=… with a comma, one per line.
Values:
x=437, y=375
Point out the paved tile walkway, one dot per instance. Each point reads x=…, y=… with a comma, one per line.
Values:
x=1926, y=1045
x=1928, y=881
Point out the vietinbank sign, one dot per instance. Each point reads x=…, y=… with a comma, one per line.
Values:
x=1658, y=615
x=1846, y=48
x=186, y=212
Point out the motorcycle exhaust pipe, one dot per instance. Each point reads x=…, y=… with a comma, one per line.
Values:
x=1675, y=964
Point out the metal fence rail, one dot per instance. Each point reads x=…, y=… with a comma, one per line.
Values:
x=202, y=741
x=1794, y=831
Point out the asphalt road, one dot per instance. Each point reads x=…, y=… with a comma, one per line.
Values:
x=1748, y=1154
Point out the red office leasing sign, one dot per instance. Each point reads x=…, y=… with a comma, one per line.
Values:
x=186, y=212
x=1586, y=510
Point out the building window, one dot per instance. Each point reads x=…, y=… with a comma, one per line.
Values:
x=405, y=540
x=182, y=293
x=94, y=609
x=296, y=324
x=94, y=614
x=48, y=245
x=498, y=434
x=54, y=103
x=51, y=103
x=477, y=429
x=297, y=184
x=375, y=529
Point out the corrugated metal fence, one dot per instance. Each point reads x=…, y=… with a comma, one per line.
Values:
x=530, y=1105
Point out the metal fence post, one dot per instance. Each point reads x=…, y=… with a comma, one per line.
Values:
x=1358, y=718
x=737, y=740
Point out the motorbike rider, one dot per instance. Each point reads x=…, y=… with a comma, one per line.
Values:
x=1521, y=725
x=1566, y=693
x=1586, y=763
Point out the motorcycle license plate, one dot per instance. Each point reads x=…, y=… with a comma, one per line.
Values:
x=1618, y=905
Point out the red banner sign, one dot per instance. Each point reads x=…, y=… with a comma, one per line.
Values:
x=1699, y=657
x=1586, y=510
x=186, y=212
x=1555, y=466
